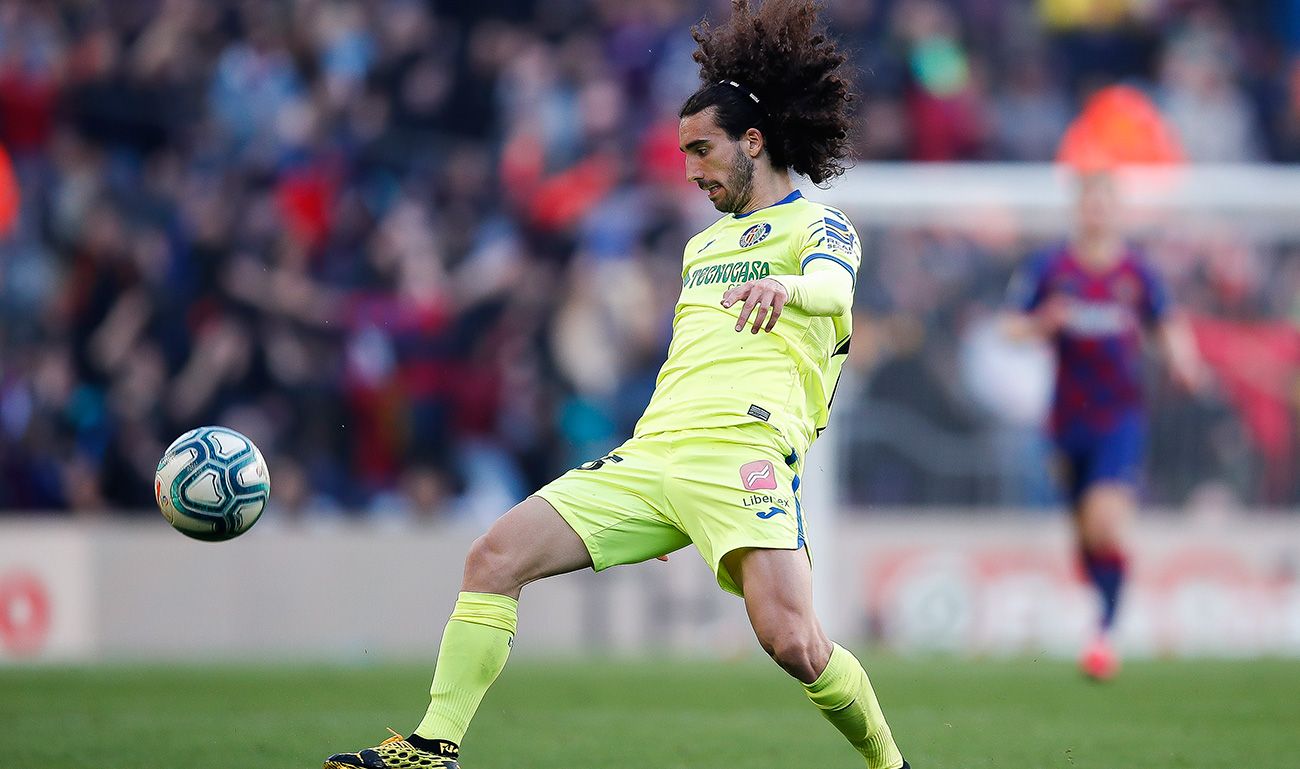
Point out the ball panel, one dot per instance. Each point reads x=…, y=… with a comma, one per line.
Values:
x=174, y=463
x=226, y=444
x=185, y=438
x=162, y=494
x=204, y=490
x=211, y=531
x=248, y=476
x=246, y=514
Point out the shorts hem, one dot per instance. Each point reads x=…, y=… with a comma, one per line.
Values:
x=729, y=585
x=598, y=560
x=1075, y=495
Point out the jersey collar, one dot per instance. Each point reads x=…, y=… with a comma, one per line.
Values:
x=793, y=196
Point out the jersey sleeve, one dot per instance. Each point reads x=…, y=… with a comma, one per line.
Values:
x=1028, y=286
x=823, y=289
x=831, y=239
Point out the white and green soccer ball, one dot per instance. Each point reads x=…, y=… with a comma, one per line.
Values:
x=212, y=484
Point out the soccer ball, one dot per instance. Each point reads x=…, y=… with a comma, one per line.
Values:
x=212, y=484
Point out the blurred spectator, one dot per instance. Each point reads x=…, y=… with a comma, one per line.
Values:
x=945, y=96
x=1213, y=118
x=1032, y=114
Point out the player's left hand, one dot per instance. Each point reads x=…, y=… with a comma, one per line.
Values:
x=1193, y=377
x=767, y=296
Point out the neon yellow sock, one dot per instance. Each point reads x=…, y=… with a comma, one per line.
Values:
x=475, y=646
x=844, y=696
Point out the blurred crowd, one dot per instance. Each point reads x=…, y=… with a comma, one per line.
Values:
x=425, y=253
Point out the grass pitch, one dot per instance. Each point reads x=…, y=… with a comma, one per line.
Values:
x=946, y=714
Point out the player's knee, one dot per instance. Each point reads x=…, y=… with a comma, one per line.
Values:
x=1102, y=540
x=490, y=567
x=801, y=653
x=1102, y=528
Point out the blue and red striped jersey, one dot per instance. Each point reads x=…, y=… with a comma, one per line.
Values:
x=1099, y=349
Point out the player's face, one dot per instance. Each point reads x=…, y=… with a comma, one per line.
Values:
x=716, y=162
x=1098, y=205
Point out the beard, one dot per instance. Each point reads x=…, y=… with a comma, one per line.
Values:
x=740, y=186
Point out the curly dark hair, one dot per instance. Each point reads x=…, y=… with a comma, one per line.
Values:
x=781, y=55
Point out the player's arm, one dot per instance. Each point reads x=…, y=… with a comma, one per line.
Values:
x=1178, y=346
x=1042, y=322
x=1031, y=314
x=1172, y=332
x=824, y=288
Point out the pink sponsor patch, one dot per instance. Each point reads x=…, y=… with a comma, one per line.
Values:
x=758, y=475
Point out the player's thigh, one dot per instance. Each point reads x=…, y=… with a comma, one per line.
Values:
x=1108, y=497
x=778, y=589
x=1071, y=471
x=778, y=599
x=1075, y=457
x=733, y=489
x=616, y=505
x=530, y=542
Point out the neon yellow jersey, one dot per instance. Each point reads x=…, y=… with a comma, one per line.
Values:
x=714, y=376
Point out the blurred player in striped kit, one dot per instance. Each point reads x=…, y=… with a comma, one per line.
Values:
x=1092, y=298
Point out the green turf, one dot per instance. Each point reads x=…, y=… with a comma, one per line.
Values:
x=947, y=714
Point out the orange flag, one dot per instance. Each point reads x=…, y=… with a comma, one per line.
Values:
x=1118, y=126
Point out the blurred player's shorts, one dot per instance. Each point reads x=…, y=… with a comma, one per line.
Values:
x=1090, y=456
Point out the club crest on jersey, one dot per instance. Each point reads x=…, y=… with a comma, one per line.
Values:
x=758, y=475
x=755, y=235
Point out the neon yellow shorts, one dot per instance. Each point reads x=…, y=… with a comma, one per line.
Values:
x=720, y=488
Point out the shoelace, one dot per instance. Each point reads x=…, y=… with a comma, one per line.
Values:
x=395, y=738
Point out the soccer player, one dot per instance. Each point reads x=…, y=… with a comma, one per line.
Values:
x=1092, y=298
x=759, y=336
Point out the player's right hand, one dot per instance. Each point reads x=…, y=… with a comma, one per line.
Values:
x=1052, y=315
x=764, y=295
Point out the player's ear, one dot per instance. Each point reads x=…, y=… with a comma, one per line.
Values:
x=753, y=142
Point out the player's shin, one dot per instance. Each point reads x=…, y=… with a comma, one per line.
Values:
x=844, y=696
x=475, y=646
x=1106, y=569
